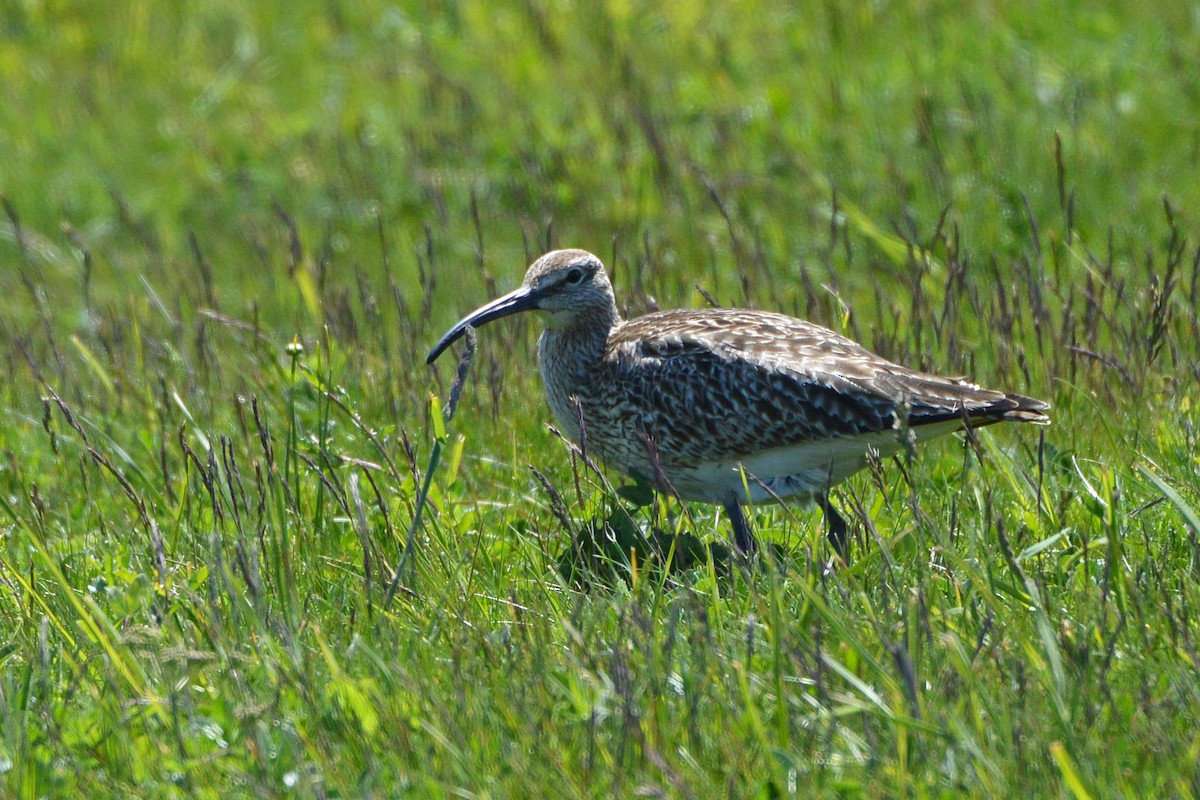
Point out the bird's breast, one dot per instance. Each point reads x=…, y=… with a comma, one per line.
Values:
x=568, y=367
x=563, y=398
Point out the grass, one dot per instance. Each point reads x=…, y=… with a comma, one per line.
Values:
x=232, y=231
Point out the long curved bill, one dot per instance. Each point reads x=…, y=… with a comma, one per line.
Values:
x=520, y=299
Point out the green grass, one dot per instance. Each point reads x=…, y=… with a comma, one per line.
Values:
x=232, y=231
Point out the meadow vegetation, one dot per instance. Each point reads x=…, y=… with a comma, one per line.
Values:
x=231, y=231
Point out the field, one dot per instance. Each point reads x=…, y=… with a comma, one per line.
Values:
x=232, y=231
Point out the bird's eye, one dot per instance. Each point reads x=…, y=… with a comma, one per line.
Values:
x=575, y=276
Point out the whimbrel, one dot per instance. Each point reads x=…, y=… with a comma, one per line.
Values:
x=728, y=406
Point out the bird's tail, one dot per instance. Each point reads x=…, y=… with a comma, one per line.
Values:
x=1018, y=408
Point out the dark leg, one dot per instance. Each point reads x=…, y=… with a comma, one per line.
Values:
x=742, y=538
x=836, y=529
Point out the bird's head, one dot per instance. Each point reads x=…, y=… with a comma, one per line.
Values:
x=570, y=287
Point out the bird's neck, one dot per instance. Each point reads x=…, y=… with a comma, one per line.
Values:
x=570, y=357
x=576, y=347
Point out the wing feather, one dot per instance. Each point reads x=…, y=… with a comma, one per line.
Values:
x=724, y=382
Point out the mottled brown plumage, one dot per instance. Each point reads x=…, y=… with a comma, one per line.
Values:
x=728, y=405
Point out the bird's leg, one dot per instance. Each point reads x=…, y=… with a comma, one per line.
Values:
x=836, y=528
x=742, y=538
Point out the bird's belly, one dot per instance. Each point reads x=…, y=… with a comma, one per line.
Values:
x=799, y=470
x=802, y=470
x=717, y=483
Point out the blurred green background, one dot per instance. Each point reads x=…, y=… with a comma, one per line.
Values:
x=613, y=120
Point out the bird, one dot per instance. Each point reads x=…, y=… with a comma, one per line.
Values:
x=728, y=406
